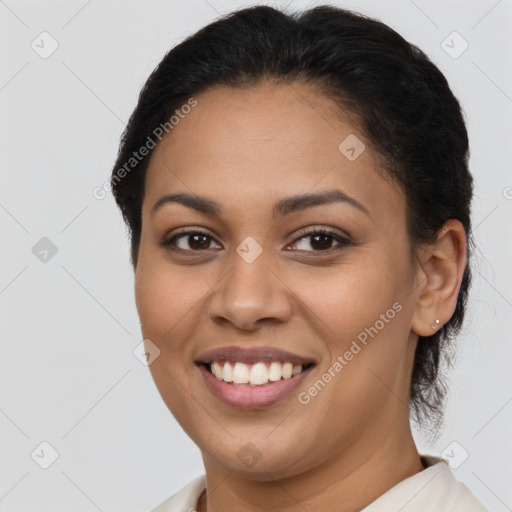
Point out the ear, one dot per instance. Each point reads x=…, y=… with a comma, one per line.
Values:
x=438, y=279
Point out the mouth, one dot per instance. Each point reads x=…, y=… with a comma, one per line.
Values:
x=250, y=396
x=261, y=373
x=252, y=378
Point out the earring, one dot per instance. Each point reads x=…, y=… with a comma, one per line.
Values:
x=435, y=326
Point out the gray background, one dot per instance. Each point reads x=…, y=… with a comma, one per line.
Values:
x=68, y=374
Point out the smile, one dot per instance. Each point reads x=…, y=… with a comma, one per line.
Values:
x=258, y=374
x=245, y=395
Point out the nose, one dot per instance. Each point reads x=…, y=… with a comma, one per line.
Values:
x=249, y=296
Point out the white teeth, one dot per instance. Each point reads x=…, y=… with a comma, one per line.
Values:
x=287, y=370
x=256, y=374
x=240, y=373
x=259, y=374
x=216, y=370
x=275, y=372
x=227, y=372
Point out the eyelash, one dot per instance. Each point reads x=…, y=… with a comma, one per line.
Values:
x=167, y=242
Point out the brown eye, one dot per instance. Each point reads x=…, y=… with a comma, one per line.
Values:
x=197, y=241
x=319, y=240
x=190, y=241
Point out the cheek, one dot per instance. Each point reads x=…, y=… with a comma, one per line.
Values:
x=352, y=297
x=361, y=315
x=169, y=299
x=368, y=316
x=165, y=303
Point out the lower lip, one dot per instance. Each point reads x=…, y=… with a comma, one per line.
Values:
x=251, y=397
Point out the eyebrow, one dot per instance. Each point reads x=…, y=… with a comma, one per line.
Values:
x=283, y=207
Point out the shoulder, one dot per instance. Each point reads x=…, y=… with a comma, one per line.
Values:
x=434, y=489
x=185, y=499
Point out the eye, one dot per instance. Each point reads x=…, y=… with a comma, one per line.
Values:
x=189, y=241
x=320, y=239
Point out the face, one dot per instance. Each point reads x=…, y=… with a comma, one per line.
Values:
x=329, y=280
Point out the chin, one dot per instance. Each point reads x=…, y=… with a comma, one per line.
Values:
x=262, y=461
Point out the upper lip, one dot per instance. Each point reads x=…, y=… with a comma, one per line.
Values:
x=251, y=355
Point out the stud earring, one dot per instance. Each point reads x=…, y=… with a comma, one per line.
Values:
x=435, y=326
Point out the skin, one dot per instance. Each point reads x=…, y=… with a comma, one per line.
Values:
x=246, y=150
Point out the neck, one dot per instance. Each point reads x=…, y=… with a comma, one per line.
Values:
x=347, y=482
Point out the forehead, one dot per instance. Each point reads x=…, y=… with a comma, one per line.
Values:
x=261, y=143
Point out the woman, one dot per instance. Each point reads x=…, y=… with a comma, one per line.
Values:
x=298, y=197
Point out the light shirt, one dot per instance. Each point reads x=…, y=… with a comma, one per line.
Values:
x=434, y=489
